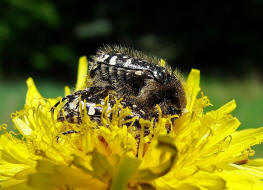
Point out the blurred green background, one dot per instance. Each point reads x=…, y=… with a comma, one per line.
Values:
x=45, y=38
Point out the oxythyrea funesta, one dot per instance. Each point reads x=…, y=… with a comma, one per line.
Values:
x=125, y=73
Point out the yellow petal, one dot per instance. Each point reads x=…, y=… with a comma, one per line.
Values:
x=14, y=152
x=208, y=181
x=241, y=140
x=67, y=91
x=240, y=180
x=51, y=176
x=253, y=171
x=13, y=186
x=256, y=163
x=8, y=169
x=198, y=181
x=187, y=186
x=224, y=110
x=192, y=88
x=32, y=96
x=82, y=73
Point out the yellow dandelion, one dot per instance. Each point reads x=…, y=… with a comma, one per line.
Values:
x=202, y=150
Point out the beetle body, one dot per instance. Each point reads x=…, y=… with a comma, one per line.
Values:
x=139, y=79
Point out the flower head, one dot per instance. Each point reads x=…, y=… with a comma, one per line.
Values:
x=201, y=151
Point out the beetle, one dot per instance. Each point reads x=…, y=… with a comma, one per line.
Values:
x=140, y=80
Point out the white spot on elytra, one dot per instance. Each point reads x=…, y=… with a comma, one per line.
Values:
x=113, y=60
x=139, y=73
x=73, y=104
x=91, y=111
x=127, y=63
x=134, y=106
x=91, y=107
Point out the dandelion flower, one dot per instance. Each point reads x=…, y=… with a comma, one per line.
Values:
x=201, y=151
